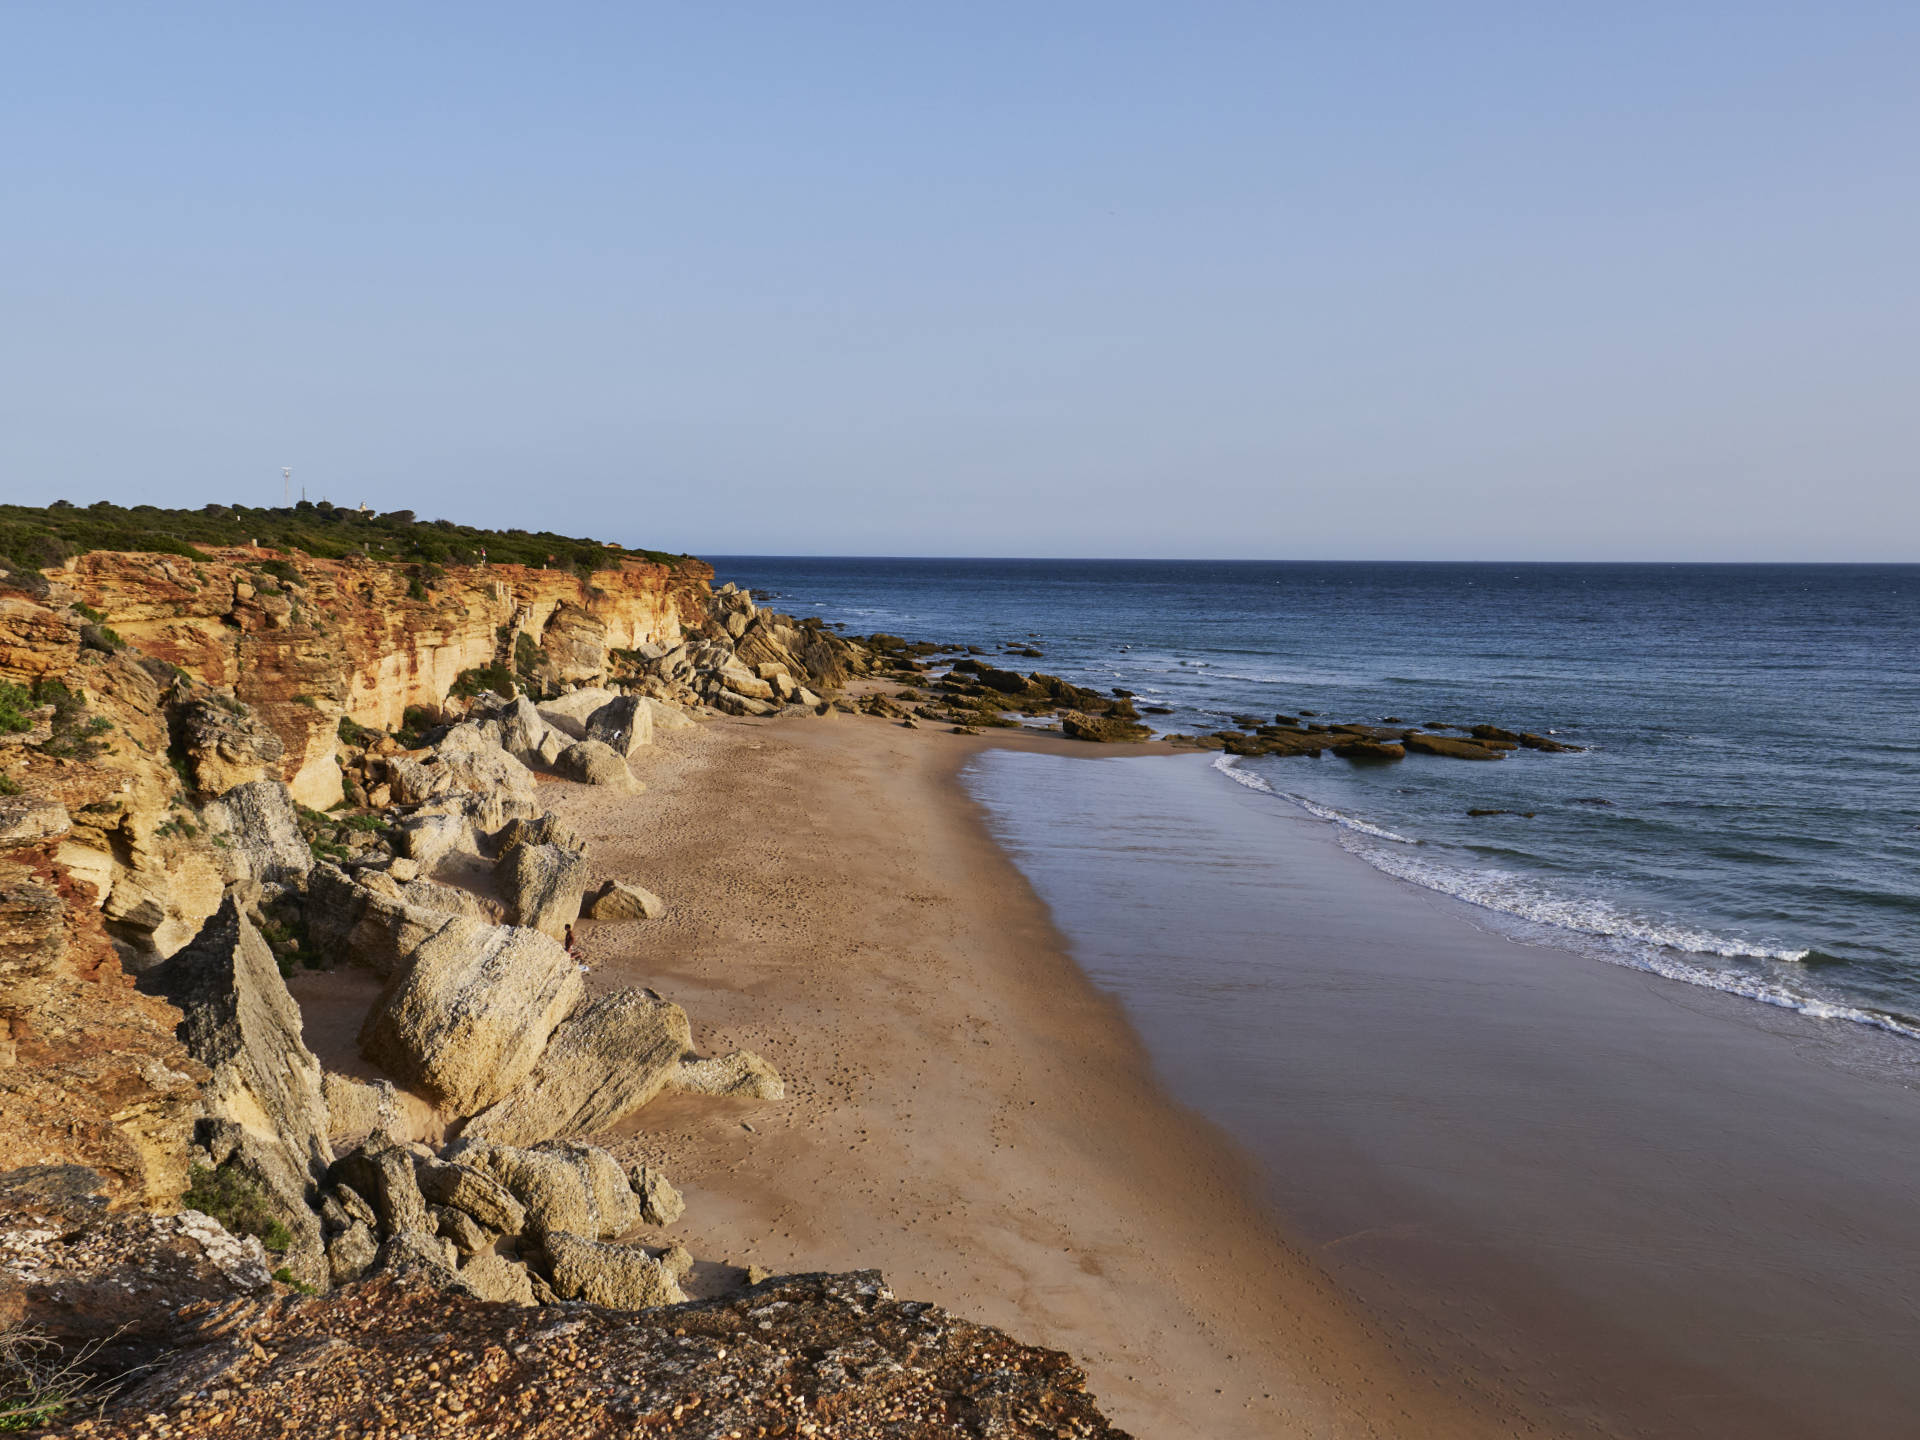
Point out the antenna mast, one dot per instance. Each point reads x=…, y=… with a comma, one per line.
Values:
x=286, y=485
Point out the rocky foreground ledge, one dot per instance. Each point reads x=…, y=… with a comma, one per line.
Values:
x=201, y=1343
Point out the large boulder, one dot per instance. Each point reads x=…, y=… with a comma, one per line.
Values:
x=564, y=1186
x=357, y=1108
x=617, y=900
x=593, y=762
x=619, y=1277
x=1101, y=728
x=573, y=646
x=609, y=1058
x=257, y=834
x=541, y=830
x=542, y=886
x=465, y=1017
x=624, y=725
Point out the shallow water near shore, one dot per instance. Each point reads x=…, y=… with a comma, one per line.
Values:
x=1634, y=1207
x=1746, y=816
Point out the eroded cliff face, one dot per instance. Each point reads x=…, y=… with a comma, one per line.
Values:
x=303, y=642
x=150, y=684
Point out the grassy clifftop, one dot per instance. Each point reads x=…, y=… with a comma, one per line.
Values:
x=34, y=537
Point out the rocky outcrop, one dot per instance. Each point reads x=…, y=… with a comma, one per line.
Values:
x=127, y=1283
x=223, y=744
x=469, y=1010
x=238, y=1020
x=837, y=1354
x=617, y=900
x=91, y=1072
x=1453, y=749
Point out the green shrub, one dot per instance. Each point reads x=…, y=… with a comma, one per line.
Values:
x=477, y=681
x=9, y=785
x=14, y=703
x=285, y=1277
x=358, y=735
x=40, y=536
x=526, y=654
x=87, y=612
x=237, y=1203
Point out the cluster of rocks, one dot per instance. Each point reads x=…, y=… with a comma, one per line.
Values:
x=747, y=661
x=500, y=1222
x=971, y=695
x=1367, y=743
x=488, y=1021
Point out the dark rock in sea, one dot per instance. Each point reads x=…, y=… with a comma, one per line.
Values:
x=1540, y=742
x=1391, y=720
x=1365, y=752
x=1123, y=694
x=1309, y=712
x=1159, y=709
x=1086, y=727
x=1494, y=732
x=1454, y=749
x=1523, y=814
x=1247, y=722
x=1286, y=720
x=1590, y=800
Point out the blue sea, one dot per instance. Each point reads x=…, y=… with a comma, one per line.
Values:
x=1745, y=814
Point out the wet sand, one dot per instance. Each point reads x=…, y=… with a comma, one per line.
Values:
x=1633, y=1207
x=965, y=1111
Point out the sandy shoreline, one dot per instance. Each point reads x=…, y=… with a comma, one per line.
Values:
x=965, y=1111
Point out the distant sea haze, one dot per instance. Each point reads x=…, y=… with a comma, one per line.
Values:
x=1746, y=815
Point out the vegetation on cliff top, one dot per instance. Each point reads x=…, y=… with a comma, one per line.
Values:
x=35, y=537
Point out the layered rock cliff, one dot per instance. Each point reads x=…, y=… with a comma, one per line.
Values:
x=303, y=642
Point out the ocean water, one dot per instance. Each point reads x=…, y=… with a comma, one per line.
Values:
x=1745, y=815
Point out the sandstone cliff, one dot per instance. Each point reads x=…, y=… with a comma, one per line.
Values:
x=303, y=642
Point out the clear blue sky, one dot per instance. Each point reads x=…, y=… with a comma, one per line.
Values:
x=1449, y=281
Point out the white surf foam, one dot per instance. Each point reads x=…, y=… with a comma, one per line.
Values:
x=1531, y=910
x=1228, y=765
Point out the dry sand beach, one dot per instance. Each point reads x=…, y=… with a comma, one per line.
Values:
x=965, y=1111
